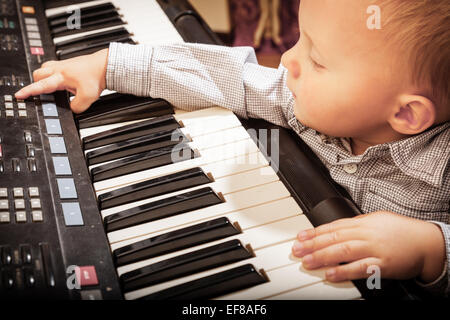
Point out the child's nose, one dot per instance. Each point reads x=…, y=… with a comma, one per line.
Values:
x=289, y=62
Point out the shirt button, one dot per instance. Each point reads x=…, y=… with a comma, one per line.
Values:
x=350, y=168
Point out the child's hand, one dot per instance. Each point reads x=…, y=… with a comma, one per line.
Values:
x=401, y=247
x=83, y=76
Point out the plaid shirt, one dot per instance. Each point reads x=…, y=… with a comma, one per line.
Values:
x=409, y=177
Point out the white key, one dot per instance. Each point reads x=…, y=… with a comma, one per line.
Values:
x=153, y=27
x=229, y=151
x=281, y=280
x=259, y=238
x=225, y=168
x=246, y=218
x=200, y=122
x=321, y=291
x=233, y=202
x=225, y=186
x=203, y=142
x=276, y=258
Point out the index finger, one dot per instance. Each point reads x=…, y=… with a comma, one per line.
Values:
x=47, y=85
x=326, y=228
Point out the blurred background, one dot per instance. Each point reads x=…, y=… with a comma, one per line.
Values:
x=269, y=26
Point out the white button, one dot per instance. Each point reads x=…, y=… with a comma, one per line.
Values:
x=350, y=168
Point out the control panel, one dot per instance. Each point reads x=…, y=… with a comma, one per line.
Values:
x=52, y=242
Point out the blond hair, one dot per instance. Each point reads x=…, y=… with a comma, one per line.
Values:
x=422, y=29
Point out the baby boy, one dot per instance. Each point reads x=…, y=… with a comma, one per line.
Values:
x=372, y=101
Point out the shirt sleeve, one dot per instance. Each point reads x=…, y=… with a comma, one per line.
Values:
x=441, y=286
x=195, y=76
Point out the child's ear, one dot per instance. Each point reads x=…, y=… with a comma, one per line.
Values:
x=413, y=115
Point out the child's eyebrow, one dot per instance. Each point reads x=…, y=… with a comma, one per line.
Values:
x=303, y=32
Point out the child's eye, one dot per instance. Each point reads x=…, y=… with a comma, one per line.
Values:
x=316, y=65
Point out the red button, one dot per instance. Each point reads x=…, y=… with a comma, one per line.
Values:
x=37, y=51
x=1, y=154
x=86, y=276
x=28, y=9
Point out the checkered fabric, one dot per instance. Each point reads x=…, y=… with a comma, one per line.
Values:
x=409, y=177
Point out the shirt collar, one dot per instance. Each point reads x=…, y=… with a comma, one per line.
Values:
x=424, y=156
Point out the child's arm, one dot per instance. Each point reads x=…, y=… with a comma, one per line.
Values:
x=83, y=76
x=190, y=76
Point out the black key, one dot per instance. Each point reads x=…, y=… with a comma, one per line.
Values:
x=164, y=208
x=212, y=286
x=88, y=24
x=81, y=42
x=78, y=51
x=175, y=240
x=88, y=12
x=143, y=161
x=134, y=146
x=120, y=108
x=47, y=265
x=154, y=187
x=200, y=260
x=84, y=10
x=131, y=131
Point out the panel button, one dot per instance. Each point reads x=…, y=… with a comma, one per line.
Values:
x=4, y=217
x=7, y=257
x=47, y=264
x=49, y=109
x=91, y=295
x=30, y=150
x=21, y=216
x=21, y=105
x=37, y=216
x=3, y=193
x=23, y=113
x=66, y=188
x=57, y=145
x=16, y=165
x=72, y=214
x=19, y=204
x=27, y=136
x=33, y=35
x=32, y=166
x=8, y=98
x=18, y=192
x=62, y=166
x=53, y=126
x=29, y=277
x=47, y=97
x=4, y=205
x=33, y=192
x=30, y=21
x=32, y=27
x=26, y=254
x=86, y=276
x=28, y=9
x=35, y=42
x=35, y=203
x=8, y=279
x=37, y=51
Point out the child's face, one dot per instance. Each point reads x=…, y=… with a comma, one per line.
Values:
x=344, y=77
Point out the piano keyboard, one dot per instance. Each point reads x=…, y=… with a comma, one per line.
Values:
x=153, y=27
x=191, y=207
